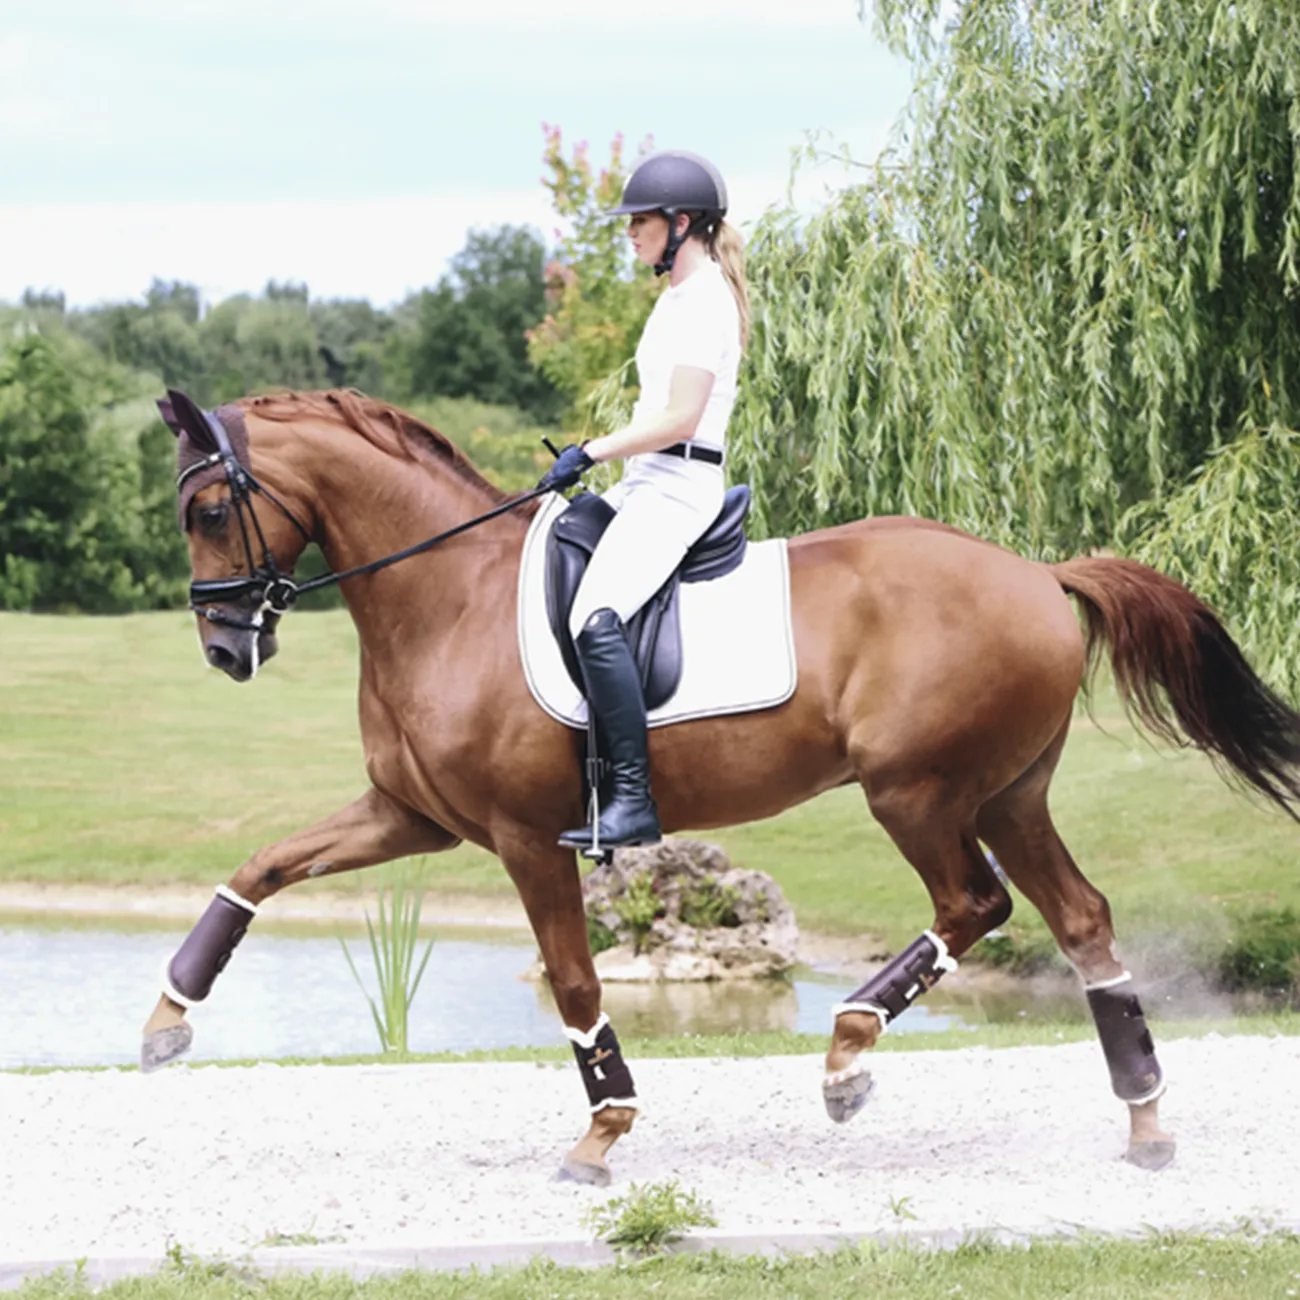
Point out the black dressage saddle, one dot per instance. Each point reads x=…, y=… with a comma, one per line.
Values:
x=655, y=632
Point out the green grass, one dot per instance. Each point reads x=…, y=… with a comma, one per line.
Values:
x=1016, y=1033
x=124, y=761
x=1236, y=1266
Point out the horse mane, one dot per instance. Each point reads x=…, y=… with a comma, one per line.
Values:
x=381, y=423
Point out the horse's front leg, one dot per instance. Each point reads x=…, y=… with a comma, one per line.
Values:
x=373, y=829
x=551, y=891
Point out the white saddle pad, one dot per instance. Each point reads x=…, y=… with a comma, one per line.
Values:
x=737, y=638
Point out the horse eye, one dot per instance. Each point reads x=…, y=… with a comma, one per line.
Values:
x=212, y=518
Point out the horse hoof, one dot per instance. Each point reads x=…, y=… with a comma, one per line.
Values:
x=846, y=1092
x=1150, y=1155
x=581, y=1171
x=164, y=1046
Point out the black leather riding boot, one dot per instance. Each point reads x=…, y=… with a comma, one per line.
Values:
x=614, y=695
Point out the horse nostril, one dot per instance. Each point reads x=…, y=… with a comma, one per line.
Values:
x=220, y=657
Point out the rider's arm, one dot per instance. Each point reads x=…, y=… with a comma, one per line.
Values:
x=688, y=394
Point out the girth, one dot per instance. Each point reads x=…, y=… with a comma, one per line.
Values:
x=655, y=632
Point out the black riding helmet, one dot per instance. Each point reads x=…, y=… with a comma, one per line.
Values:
x=671, y=182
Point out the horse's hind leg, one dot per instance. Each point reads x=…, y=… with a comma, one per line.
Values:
x=1018, y=828
x=925, y=819
x=372, y=829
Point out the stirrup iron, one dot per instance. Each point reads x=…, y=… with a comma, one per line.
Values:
x=593, y=852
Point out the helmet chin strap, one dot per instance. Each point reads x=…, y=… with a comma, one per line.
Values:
x=675, y=241
x=698, y=225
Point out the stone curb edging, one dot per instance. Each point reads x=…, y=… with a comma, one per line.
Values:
x=359, y=1261
x=363, y=1261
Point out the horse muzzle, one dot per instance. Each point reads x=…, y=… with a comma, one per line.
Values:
x=240, y=651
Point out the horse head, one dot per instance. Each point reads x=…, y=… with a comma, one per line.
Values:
x=243, y=540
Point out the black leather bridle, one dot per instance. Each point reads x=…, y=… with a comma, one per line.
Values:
x=267, y=588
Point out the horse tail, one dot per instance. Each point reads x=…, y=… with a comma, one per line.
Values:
x=1181, y=674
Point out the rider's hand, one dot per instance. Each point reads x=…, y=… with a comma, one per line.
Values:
x=571, y=464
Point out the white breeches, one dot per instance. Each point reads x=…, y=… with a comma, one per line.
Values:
x=644, y=543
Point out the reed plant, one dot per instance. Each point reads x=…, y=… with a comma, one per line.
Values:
x=394, y=941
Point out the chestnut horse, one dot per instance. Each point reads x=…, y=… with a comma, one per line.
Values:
x=935, y=670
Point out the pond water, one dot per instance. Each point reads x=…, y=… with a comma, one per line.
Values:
x=79, y=996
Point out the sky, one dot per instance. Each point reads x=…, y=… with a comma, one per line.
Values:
x=352, y=144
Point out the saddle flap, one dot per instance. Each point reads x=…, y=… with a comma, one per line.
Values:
x=654, y=632
x=569, y=548
x=737, y=640
x=583, y=524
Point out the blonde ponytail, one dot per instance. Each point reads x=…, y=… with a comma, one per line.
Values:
x=727, y=248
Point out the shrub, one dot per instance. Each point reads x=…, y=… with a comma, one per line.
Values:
x=599, y=936
x=1021, y=952
x=710, y=904
x=1263, y=954
x=638, y=907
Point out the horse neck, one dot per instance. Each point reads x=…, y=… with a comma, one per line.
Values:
x=371, y=504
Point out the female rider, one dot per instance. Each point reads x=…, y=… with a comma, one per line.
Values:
x=672, y=484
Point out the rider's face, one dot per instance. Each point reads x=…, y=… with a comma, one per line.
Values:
x=648, y=232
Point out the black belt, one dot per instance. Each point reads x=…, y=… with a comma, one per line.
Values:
x=689, y=451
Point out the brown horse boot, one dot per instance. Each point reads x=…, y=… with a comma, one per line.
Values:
x=612, y=1095
x=188, y=978
x=1135, y=1072
x=866, y=1014
x=614, y=694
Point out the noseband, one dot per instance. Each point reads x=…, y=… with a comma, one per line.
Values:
x=267, y=588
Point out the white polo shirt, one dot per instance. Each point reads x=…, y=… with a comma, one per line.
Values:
x=695, y=323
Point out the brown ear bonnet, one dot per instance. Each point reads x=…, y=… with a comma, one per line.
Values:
x=198, y=458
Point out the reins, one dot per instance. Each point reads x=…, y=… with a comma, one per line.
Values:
x=270, y=589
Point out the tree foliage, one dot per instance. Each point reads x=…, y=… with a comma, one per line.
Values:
x=80, y=490
x=243, y=344
x=599, y=296
x=87, y=498
x=1070, y=282
x=468, y=336
x=502, y=441
x=1232, y=533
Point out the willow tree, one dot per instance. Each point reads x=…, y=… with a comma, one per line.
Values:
x=1063, y=297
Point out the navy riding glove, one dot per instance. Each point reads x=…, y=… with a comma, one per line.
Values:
x=571, y=464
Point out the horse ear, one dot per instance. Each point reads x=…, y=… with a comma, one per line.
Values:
x=188, y=418
x=169, y=415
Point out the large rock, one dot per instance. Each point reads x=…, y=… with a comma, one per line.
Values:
x=680, y=911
